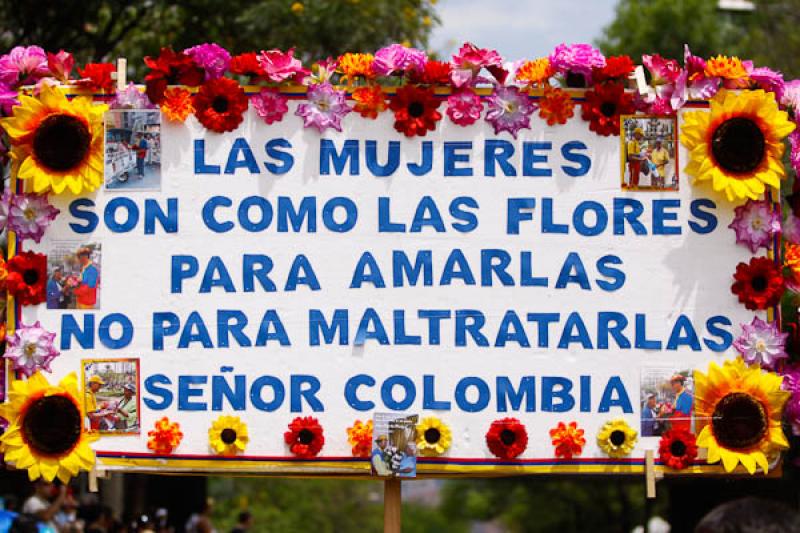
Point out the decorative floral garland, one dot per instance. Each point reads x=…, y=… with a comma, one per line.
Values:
x=737, y=146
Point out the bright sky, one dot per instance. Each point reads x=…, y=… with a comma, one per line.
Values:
x=519, y=28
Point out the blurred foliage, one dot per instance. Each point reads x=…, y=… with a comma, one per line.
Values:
x=768, y=34
x=100, y=30
x=537, y=504
x=318, y=505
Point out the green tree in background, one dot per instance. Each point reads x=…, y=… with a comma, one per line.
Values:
x=97, y=30
x=773, y=38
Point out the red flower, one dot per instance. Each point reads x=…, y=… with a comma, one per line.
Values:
x=220, y=104
x=97, y=76
x=170, y=68
x=415, y=110
x=759, y=284
x=247, y=65
x=434, y=73
x=677, y=449
x=604, y=105
x=507, y=438
x=27, y=275
x=616, y=67
x=305, y=438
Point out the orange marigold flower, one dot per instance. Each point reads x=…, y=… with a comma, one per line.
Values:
x=3, y=330
x=567, y=439
x=360, y=438
x=536, y=71
x=177, y=104
x=165, y=437
x=3, y=274
x=369, y=101
x=730, y=68
x=353, y=65
x=556, y=106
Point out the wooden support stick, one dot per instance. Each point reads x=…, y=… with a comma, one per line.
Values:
x=391, y=505
x=650, y=474
x=122, y=73
x=93, y=480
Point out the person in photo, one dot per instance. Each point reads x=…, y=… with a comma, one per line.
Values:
x=141, y=155
x=55, y=290
x=86, y=291
x=650, y=424
x=378, y=458
x=126, y=409
x=633, y=151
x=660, y=157
x=90, y=402
x=684, y=402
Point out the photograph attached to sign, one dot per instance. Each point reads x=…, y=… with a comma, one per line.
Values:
x=111, y=399
x=394, y=445
x=667, y=400
x=133, y=150
x=73, y=275
x=649, y=153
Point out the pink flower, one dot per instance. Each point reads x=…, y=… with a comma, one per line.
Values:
x=577, y=59
x=326, y=107
x=662, y=70
x=131, y=98
x=5, y=202
x=270, y=105
x=755, y=223
x=794, y=156
x=761, y=343
x=60, y=65
x=29, y=215
x=280, y=66
x=790, y=97
x=8, y=99
x=791, y=228
x=464, y=107
x=397, y=58
x=23, y=66
x=213, y=58
x=791, y=383
x=768, y=79
x=31, y=348
x=322, y=71
x=509, y=110
x=468, y=62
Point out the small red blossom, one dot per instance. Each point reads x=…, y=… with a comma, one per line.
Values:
x=617, y=67
x=603, y=107
x=677, y=448
x=220, y=104
x=247, y=65
x=507, y=438
x=434, y=73
x=97, y=76
x=304, y=438
x=170, y=68
x=415, y=110
x=758, y=284
x=27, y=275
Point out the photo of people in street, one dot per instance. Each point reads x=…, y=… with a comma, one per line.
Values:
x=133, y=150
x=649, y=150
x=111, y=398
x=73, y=275
x=394, y=446
x=667, y=400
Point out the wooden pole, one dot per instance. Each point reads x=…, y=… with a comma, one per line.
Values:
x=391, y=505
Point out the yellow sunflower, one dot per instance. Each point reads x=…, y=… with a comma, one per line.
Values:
x=433, y=436
x=737, y=144
x=617, y=438
x=739, y=409
x=46, y=435
x=228, y=435
x=57, y=144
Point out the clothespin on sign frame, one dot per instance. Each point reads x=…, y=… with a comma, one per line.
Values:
x=122, y=73
x=650, y=474
x=93, y=479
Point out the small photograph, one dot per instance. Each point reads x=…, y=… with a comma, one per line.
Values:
x=649, y=153
x=73, y=275
x=667, y=400
x=394, y=448
x=112, y=395
x=133, y=150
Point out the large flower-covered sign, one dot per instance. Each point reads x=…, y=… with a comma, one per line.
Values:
x=233, y=265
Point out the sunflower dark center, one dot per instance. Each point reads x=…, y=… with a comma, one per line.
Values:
x=508, y=437
x=305, y=436
x=61, y=142
x=220, y=104
x=416, y=109
x=575, y=80
x=759, y=283
x=739, y=421
x=617, y=437
x=738, y=145
x=677, y=448
x=228, y=436
x=608, y=108
x=432, y=435
x=52, y=425
x=31, y=276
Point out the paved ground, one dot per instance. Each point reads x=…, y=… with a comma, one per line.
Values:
x=151, y=180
